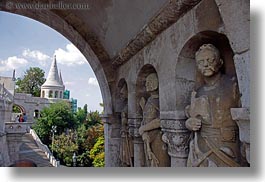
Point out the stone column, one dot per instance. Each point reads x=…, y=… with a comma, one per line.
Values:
x=105, y=120
x=4, y=156
x=2, y=116
x=5, y=116
x=134, y=122
x=14, y=141
x=176, y=136
x=112, y=140
x=242, y=115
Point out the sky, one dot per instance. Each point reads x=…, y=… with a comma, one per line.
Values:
x=26, y=43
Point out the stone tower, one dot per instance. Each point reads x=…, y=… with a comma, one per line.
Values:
x=53, y=88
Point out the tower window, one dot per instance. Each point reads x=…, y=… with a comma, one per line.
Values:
x=56, y=94
x=50, y=94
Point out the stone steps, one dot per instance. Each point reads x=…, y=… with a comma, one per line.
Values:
x=30, y=151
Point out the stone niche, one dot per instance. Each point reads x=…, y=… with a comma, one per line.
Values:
x=124, y=129
x=191, y=80
x=148, y=110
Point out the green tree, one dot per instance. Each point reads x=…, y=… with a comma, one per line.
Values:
x=58, y=114
x=97, y=153
x=64, y=146
x=16, y=109
x=31, y=81
x=93, y=118
x=81, y=115
x=85, y=109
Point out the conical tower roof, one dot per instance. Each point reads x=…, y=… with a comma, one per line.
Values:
x=53, y=79
x=60, y=78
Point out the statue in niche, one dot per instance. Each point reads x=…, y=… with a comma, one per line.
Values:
x=126, y=147
x=215, y=140
x=154, y=148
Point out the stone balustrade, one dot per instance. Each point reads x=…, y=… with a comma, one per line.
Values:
x=12, y=127
x=44, y=148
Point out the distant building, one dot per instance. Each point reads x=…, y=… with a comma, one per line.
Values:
x=73, y=105
x=66, y=94
x=52, y=91
x=53, y=88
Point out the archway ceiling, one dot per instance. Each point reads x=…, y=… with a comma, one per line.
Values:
x=117, y=29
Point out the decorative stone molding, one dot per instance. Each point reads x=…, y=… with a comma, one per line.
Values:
x=134, y=125
x=165, y=18
x=242, y=118
x=176, y=136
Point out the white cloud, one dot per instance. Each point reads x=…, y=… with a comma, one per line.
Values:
x=93, y=81
x=35, y=54
x=12, y=63
x=70, y=57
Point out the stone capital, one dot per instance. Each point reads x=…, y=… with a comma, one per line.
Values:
x=134, y=125
x=176, y=136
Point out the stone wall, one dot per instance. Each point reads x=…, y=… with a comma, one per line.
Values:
x=29, y=104
x=4, y=155
x=5, y=116
x=222, y=23
x=9, y=83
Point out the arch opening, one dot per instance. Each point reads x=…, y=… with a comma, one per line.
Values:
x=98, y=68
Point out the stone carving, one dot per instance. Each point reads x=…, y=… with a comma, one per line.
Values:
x=215, y=139
x=167, y=16
x=126, y=147
x=177, y=140
x=154, y=148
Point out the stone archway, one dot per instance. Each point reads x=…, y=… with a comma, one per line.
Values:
x=21, y=108
x=102, y=70
x=57, y=23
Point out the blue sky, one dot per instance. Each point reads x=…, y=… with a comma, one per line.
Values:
x=26, y=43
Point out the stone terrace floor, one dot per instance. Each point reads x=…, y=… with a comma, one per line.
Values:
x=29, y=150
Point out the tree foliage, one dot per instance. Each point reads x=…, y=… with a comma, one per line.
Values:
x=81, y=133
x=64, y=146
x=58, y=114
x=31, y=82
x=93, y=118
x=97, y=153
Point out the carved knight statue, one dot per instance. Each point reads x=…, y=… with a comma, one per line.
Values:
x=215, y=139
x=154, y=148
x=126, y=147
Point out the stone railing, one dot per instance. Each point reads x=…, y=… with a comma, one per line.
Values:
x=5, y=94
x=44, y=148
x=12, y=127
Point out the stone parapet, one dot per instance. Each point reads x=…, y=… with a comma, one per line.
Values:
x=12, y=127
